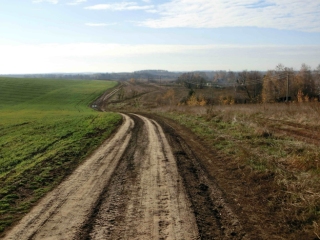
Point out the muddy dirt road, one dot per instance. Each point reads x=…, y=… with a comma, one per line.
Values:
x=142, y=183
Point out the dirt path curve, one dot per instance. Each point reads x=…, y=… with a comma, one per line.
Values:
x=157, y=208
x=156, y=205
x=143, y=183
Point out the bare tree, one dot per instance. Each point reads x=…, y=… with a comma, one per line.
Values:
x=251, y=83
x=275, y=84
x=220, y=75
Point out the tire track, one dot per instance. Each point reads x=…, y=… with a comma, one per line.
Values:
x=63, y=211
x=214, y=217
x=143, y=183
x=157, y=206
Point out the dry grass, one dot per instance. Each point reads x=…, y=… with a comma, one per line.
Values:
x=270, y=142
x=307, y=114
x=273, y=148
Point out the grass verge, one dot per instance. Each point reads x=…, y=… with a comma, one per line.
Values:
x=278, y=170
x=46, y=130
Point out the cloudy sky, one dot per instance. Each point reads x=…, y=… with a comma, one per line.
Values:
x=42, y=36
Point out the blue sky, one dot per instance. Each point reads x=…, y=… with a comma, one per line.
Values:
x=41, y=36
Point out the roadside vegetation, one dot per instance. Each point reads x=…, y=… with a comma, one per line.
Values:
x=267, y=155
x=267, y=152
x=273, y=149
x=46, y=130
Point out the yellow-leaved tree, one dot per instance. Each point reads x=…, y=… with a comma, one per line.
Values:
x=202, y=101
x=192, y=100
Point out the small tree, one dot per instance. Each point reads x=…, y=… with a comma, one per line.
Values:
x=202, y=101
x=192, y=101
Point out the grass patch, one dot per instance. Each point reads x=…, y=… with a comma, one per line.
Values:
x=282, y=171
x=46, y=130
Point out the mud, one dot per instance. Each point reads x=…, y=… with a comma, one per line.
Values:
x=60, y=215
x=143, y=183
x=215, y=218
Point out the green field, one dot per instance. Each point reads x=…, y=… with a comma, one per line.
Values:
x=46, y=129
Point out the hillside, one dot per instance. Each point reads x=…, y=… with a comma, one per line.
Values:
x=46, y=129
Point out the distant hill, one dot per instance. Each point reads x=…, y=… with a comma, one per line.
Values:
x=154, y=75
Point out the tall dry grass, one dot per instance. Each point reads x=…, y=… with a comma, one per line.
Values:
x=307, y=113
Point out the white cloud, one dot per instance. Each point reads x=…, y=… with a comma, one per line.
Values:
x=120, y=6
x=76, y=2
x=302, y=15
x=98, y=49
x=100, y=24
x=49, y=1
x=85, y=57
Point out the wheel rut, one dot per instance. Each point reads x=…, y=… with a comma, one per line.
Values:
x=61, y=213
x=143, y=183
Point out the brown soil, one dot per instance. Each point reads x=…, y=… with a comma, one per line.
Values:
x=234, y=206
x=154, y=179
x=139, y=184
x=61, y=213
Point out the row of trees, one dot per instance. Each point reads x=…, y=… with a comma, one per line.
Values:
x=280, y=84
x=277, y=85
x=199, y=79
x=284, y=81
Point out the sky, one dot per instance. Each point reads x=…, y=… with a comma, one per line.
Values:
x=47, y=36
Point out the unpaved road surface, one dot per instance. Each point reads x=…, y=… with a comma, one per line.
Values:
x=142, y=183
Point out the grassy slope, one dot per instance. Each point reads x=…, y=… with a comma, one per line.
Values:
x=46, y=129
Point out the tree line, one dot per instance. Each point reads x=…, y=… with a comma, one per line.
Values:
x=278, y=85
x=284, y=82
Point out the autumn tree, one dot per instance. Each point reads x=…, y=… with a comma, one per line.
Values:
x=132, y=80
x=194, y=101
x=202, y=101
x=275, y=84
x=305, y=81
x=251, y=83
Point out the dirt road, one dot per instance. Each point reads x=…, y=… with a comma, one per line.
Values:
x=143, y=183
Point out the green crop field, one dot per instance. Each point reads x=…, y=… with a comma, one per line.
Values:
x=46, y=130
